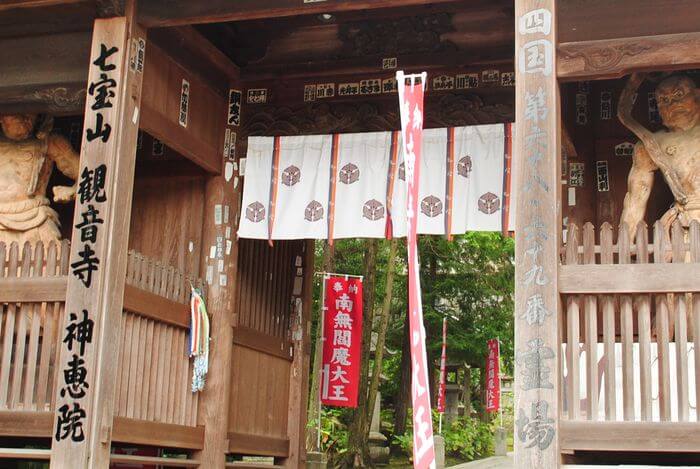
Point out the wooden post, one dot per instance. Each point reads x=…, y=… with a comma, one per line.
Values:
x=219, y=261
x=299, y=375
x=87, y=376
x=538, y=234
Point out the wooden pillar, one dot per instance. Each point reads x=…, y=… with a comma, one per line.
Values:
x=219, y=269
x=299, y=375
x=87, y=374
x=538, y=234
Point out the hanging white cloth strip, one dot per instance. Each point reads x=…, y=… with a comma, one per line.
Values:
x=255, y=205
x=302, y=187
x=199, y=340
x=345, y=185
x=361, y=185
x=478, y=178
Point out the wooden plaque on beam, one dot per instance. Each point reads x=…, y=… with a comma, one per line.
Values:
x=82, y=426
x=182, y=110
x=538, y=222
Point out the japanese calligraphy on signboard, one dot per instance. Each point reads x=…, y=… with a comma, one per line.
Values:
x=234, y=107
x=536, y=253
x=602, y=176
x=576, y=174
x=77, y=337
x=342, y=341
x=493, y=382
x=76, y=376
x=184, y=103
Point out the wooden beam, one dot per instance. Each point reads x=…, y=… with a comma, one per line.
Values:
x=48, y=289
x=150, y=461
x=252, y=465
x=44, y=73
x=197, y=54
x=38, y=60
x=252, y=339
x=26, y=290
x=45, y=20
x=628, y=278
x=537, y=234
x=166, y=435
x=95, y=293
x=25, y=454
x=159, y=13
x=614, y=58
x=29, y=424
x=243, y=443
x=630, y=436
x=18, y=4
x=156, y=307
x=59, y=99
x=34, y=424
x=200, y=139
x=500, y=58
x=587, y=20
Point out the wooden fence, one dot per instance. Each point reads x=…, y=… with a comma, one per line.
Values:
x=155, y=371
x=636, y=296
x=154, y=368
x=31, y=302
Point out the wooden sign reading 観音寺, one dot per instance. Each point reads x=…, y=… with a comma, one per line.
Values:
x=94, y=298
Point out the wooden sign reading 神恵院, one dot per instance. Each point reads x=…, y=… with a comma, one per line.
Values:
x=81, y=433
x=537, y=237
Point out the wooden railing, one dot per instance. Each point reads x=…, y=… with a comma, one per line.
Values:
x=31, y=302
x=154, y=369
x=153, y=384
x=627, y=306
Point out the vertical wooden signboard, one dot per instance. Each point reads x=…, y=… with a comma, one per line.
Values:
x=537, y=236
x=91, y=327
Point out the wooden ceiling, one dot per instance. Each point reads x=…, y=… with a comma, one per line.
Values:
x=442, y=34
x=275, y=40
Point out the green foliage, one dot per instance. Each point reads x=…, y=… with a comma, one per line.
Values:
x=469, y=280
x=334, y=432
x=466, y=438
x=404, y=443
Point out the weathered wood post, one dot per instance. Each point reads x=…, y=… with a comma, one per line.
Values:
x=537, y=146
x=90, y=333
x=219, y=260
x=299, y=374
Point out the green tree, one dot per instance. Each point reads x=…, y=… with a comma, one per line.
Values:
x=468, y=279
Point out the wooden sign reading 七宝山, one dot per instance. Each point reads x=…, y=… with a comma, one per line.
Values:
x=91, y=327
x=537, y=236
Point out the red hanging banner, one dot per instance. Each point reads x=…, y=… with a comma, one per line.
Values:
x=493, y=381
x=411, y=109
x=443, y=371
x=342, y=341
